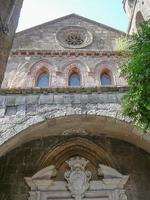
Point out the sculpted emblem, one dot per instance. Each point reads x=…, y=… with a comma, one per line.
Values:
x=77, y=177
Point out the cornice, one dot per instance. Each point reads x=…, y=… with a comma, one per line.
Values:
x=67, y=90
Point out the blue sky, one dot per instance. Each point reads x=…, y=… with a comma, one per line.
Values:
x=109, y=12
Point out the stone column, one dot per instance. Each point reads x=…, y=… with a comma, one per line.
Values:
x=9, y=16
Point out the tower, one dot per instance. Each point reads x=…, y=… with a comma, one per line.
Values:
x=9, y=16
x=137, y=12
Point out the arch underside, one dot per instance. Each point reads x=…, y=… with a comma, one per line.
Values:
x=98, y=139
x=79, y=125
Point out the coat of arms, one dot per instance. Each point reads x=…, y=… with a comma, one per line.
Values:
x=77, y=177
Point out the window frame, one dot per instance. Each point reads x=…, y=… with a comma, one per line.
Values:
x=109, y=74
x=73, y=71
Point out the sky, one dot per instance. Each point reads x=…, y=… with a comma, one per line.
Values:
x=109, y=12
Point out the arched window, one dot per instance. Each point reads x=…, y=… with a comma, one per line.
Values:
x=74, y=77
x=131, y=3
x=43, y=80
x=105, y=79
x=139, y=19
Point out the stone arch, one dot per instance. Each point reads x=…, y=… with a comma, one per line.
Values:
x=74, y=71
x=74, y=124
x=76, y=146
x=107, y=72
x=36, y=69
x=138, y=19
x=41, y=71
x=107, y=67
x=84, y=69
x=18, y=80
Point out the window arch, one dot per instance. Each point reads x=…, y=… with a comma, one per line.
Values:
x=105, y=78
x=74, y=77
x=139, y=19
x=131, y=3
x=43, y=80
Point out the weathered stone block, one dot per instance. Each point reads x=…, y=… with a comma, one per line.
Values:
x=2, y=112
x=84, y=98
x=93, y=98
x=58, y=98
x=46, y=99
x=68, y=99
x=11, y=110
x=21, y=109
x=10, y=100
x=31, y=108
x=32, y=99
x=2, y=100
x=76, y=99
x=20, y=100
x=107, y=98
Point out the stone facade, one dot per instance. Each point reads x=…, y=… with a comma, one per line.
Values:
x=47, y=36
x=44, y=47
x=9, y=15
x=137, y=11
x=64, y=142
x=30, y=158
x=23, y=68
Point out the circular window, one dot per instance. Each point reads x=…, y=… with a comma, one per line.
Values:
x=74, y=37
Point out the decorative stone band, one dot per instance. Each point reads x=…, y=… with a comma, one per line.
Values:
x=62, y=53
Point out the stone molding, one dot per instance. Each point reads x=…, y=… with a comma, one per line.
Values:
x=88, y=90
x=41, y=179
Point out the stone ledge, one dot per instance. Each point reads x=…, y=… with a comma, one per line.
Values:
x=34, y=91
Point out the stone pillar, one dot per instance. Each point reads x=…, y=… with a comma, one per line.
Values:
x=9, y=16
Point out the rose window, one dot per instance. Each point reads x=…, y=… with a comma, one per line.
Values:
x=74, y=39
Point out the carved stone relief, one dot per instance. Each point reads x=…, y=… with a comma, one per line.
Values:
x=78, y=183
x=77, y=178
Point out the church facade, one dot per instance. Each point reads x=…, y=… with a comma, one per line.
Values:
x=63, y=135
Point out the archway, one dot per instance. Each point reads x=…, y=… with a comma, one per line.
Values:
x=139, y=19
x=55, y=141
x=78, y=125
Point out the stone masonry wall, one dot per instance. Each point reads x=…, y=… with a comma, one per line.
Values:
x=29, y=107
x=24, y=112
x=25, y=161
x=43, y=37
x=22, y=70
x=134, y=7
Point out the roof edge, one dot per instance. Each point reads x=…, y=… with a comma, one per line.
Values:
x=66, y=16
